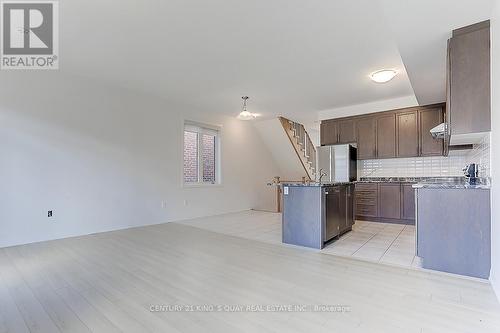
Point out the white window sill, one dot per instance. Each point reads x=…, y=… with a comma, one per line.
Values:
x=197, y=185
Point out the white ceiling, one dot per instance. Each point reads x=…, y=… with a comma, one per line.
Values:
x=289, y=56
x=292, y=57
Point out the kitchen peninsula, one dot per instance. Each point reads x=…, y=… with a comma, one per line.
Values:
x=314, y=214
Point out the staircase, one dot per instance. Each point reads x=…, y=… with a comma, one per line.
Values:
x=302, y=144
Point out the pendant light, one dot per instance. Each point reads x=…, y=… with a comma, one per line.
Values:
x=244, y=114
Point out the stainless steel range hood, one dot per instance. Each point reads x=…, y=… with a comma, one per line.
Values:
x=440, y=131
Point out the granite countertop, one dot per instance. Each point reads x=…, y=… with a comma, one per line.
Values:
x=418, y=182
x=464, y=184
x=315, y=184
x=431, y=182
x=390, y=179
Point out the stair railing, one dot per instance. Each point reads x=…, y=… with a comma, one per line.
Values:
x=302, y=144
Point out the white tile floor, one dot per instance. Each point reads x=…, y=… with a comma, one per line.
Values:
x=370, y=241
x=379, y=242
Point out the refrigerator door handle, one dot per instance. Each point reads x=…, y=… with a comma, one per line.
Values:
x=332, y=164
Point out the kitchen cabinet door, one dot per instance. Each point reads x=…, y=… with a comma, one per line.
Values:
x=407, y=134
x=343, y=223
x=328, y=133
x=469, y=98
x=430, y=118
x=367, y=138
x=349, y=206
x=407, y=202
x=455, y=238
x=386, y=136
x=347, y=131
x=389, y=198
x=333, y=216
x=366, y=200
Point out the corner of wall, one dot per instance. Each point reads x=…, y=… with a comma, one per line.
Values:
x=495, y=150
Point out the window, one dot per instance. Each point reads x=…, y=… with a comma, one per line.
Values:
x=201, y=154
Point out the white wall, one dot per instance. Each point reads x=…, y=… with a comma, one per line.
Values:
x=103, y=158
x=377, y=106
x=274, y=137
x=495, y=149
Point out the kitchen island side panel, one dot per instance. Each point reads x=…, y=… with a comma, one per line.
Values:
x=454, y=232
x=303, y=216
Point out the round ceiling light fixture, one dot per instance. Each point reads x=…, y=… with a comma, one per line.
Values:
x=244, y=114
x=383, y=76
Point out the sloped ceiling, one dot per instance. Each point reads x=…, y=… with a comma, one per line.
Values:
x=421, y=29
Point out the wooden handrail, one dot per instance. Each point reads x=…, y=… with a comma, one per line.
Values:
x=278, y=181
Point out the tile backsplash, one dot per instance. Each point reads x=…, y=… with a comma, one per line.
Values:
x=435, y=166
x=480, y=154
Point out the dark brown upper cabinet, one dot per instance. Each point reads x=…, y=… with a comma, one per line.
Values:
x=386, y=136
x=329, y=133
x=366, y=129
x=347, y=131
x=407, y=134
x=469, y=80
x=429, y=118
x=389, y=196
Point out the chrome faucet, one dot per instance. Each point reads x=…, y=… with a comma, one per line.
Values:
x=321, y=175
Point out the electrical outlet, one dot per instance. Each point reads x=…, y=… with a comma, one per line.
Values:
x=185, y=202
x=164, y=204
x=49, y=213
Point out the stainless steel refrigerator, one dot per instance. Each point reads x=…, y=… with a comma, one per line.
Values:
x=338, y=163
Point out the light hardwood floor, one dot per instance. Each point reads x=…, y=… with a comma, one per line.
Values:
x=108, y=282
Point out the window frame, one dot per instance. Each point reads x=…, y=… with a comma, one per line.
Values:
x=200, y=129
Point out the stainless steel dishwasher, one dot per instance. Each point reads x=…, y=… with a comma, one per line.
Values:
x=339, y=210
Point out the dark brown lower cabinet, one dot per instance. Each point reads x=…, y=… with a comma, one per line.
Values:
x=389, y=201
x=366, y=200
x=385, y=202
x=407, y=202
